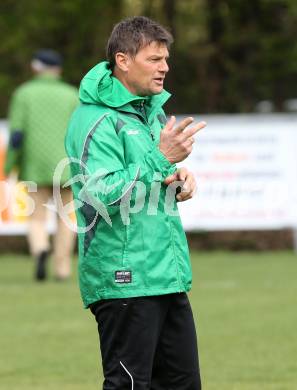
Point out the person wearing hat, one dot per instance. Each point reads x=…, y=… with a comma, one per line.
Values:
x=38, y=116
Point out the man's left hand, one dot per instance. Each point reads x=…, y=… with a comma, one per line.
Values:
x=189, y=183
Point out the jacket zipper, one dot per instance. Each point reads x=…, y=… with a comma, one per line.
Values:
x=127, y=234
x=142, y=116
x=143, y=112
x=175, y=259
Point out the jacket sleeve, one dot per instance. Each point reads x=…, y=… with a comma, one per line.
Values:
x=107, y=177
x=16, y=118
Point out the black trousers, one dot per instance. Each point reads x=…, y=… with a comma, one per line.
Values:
x=148, y=343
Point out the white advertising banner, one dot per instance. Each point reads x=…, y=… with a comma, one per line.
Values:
x=246, y=170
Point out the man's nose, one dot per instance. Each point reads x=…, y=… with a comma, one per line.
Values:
x=164, y=67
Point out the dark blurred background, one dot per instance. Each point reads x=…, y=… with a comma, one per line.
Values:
x=228, y=54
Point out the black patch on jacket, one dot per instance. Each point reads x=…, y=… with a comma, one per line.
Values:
x=123, y=277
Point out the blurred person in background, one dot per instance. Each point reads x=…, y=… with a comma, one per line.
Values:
x=38, y=116
x=134, y=274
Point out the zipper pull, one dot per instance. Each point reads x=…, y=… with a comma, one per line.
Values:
x=152, y=135
x=142, y=109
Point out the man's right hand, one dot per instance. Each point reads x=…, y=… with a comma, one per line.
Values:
x=176, y=143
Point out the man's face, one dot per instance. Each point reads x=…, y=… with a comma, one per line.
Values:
x=147, y=70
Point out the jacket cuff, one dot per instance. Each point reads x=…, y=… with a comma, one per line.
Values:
x=161, y=164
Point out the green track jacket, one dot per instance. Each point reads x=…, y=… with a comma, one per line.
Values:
x=131, y=241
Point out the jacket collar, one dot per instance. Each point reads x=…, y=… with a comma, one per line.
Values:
x=99, y=86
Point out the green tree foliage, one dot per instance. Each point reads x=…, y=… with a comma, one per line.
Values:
x=78, y=29
x=227, y=55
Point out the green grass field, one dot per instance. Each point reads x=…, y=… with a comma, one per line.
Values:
x=245, y=305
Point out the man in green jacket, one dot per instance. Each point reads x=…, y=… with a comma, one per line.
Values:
x=134, y=267
x=38, y=117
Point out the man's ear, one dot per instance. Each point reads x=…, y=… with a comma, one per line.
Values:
x=122, y=61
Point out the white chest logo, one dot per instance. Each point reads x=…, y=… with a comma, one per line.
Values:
x=132, y=132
